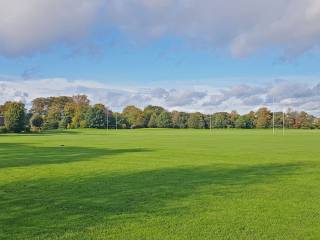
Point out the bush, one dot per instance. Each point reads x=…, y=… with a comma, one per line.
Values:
x=27, y=129
x=83, y=124
x=64, y=122
x=36, y=122
x=51, y=125
x=3, y=130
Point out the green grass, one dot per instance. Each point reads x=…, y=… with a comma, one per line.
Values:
x=160, y=184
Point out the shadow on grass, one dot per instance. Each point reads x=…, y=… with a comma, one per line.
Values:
x=22, y=155
x=42, y=133
x=51, y=207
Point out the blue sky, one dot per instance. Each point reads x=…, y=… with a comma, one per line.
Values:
x=207, y=55
x=166, y=59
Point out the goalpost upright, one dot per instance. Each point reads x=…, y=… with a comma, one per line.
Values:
x=273, y=115
x=116, y=121
x=283, y=122
x=107, y=119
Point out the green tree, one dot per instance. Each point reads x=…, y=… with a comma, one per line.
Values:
x=164, y=120
x=246, y=121
x=278, y=119
x=121, y=121
x=96, y=116
x=14, y=116
x=65, y=122
x=153, y=121
x=221, y=120
x=196, y=120
x=149, y=111
x=134, y=116
x=36, y=121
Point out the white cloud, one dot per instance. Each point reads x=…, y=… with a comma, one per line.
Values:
x=27, y=27
x=242, y=26
x=287, y=94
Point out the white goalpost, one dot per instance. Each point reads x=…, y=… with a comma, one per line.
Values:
x=107, y=119
x=283, y=122
x=273, y=115
x=116, y=121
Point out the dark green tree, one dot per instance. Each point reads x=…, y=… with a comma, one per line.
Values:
x=96, y=116
x=14, y=116
x=36, y=121
x=164, y=120
x=246, y=121
x=149, y=111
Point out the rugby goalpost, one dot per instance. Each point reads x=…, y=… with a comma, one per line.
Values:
x=116, y=118
x=273, y=118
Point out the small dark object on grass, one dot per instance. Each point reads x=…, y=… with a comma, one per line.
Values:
x=61, y=145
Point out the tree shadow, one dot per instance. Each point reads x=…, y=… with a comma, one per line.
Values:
x=42, y=133
x=53, y=132
x=45, y=207
x=22, y=155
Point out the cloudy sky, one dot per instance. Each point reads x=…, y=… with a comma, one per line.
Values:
x=192, y=55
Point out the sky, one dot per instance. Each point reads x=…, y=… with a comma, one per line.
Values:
x=188, y=55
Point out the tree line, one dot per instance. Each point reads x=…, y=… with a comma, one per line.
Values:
x=66, y=112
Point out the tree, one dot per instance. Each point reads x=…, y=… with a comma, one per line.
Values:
x=246, y=121
x=81, y=100
x=263, y=118
x=233, y=117
x=65, y=122
x=179, y=119
x=96, y=116
x=14, y=117
x=149, y=111
x=316, y=123
x=292, y=119
x=40, y=106
x=81, y=106
x=1, y=109
x=221, y=120
x=153, y=121
x=196, y=120
x=164, y=120
x=278, y=119
x=305, y=120
x=121, y=120
x=110, y=119
x=134, y=116
x=36, y=121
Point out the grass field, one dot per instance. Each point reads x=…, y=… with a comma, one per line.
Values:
x=160, y=184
